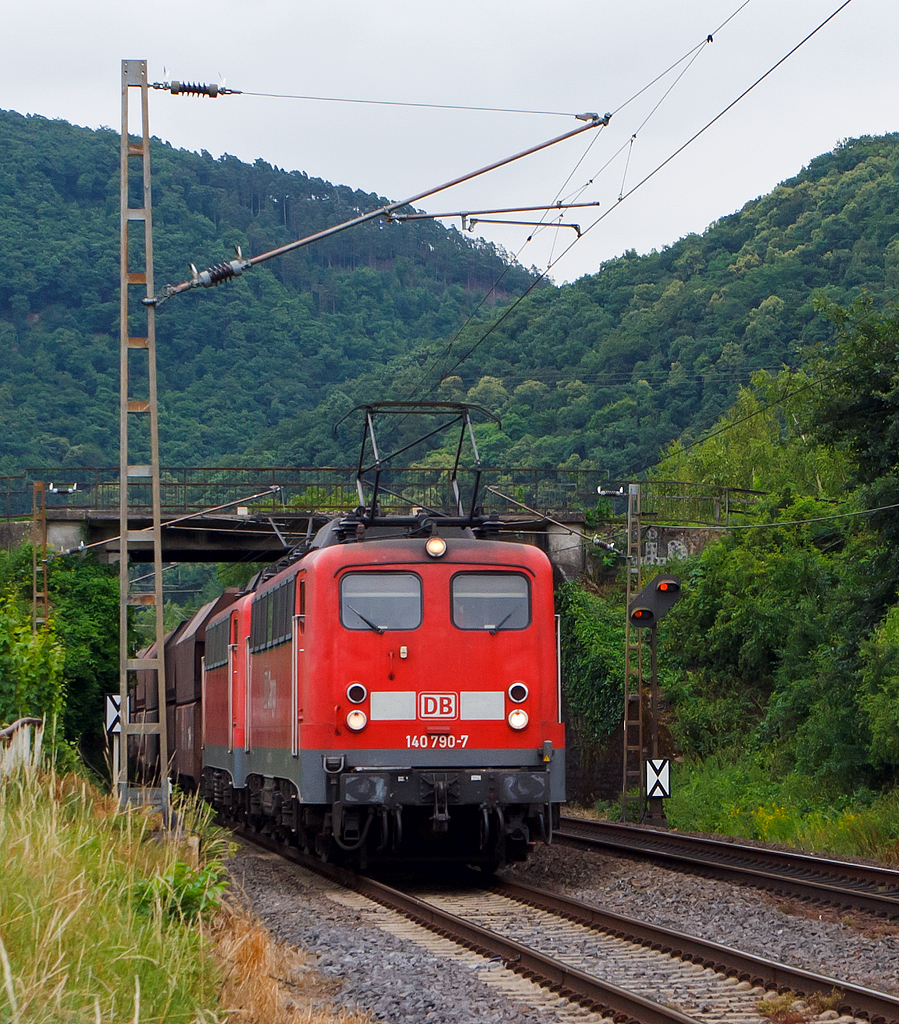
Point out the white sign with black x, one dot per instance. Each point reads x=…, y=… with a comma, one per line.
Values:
x=658, y=777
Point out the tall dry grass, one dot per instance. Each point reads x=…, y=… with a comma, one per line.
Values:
x=76, y=946
x=268, y=982
x=81, y=944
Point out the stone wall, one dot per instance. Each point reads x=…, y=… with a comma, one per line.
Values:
x=14, y=535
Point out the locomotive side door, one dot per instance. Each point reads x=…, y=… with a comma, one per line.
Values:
x=235, y=692
x=297, y=655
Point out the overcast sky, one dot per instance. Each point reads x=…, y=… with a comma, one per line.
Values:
x=63, y=60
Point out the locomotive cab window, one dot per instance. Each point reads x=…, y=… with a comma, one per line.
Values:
x=494, y=601
x=380, y=600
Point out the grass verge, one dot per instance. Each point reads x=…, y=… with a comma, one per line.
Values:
x=102, y=923
x=740, y=800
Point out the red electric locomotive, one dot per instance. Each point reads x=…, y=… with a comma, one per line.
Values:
x=392, y=691
x=394, y=695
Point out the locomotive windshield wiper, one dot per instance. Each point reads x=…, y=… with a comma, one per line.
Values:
x=495, y=629
x=367, y=622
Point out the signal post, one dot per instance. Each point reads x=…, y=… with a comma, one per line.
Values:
x=645, y=611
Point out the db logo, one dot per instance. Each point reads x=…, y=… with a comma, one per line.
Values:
x=437, y=705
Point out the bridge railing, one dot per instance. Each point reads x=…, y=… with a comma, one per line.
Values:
x=332, y=489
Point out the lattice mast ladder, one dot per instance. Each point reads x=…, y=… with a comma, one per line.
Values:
x=40, y=610
x=136, y=276
x=632, y=782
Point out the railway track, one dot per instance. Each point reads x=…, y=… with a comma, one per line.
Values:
x=835, y=883
x=611, y=965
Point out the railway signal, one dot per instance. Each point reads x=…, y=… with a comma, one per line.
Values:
x=654, y=601
x=646, y=611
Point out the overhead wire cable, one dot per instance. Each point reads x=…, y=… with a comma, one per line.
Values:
x=579, y=191
x=666, y=93
x=644, y=180
x=515, y=259
x=693, y=50
x=730, y=105
x=805, y=522
x=646, y=119
x=662, y=74
x=404, y=103
x=548, y=519
x=691, y=56
x=627, y=163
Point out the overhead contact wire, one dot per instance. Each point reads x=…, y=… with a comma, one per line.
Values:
x=402, y=103
x=458, y=333
x=692, y=51
x=691, y=56
x=730, y=105
x=652, y=173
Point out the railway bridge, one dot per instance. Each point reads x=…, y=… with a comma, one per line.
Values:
x=224, y=514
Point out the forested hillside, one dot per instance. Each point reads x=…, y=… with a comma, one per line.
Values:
x=611, y=368
x=232, y=363
x=603, y=373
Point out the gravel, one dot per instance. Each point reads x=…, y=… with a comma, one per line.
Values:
x=392, y=979
x=854, y=948
x=397, y=980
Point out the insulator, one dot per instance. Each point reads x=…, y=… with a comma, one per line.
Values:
x=191, y=89
x=215, y=275
x=220, y=272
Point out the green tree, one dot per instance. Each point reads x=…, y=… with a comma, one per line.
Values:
x=84, y=608
x=31, y=667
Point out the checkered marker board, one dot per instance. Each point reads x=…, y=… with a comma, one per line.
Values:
x=113, y=713
x=658, y=777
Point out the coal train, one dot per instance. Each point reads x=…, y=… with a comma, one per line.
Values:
x=389, y=691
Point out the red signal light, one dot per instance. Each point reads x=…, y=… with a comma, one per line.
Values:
x=651, y=605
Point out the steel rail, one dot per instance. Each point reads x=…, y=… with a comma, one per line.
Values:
x=567, y=982
x=840, y=883
x=577, y=986
x=858, y=1001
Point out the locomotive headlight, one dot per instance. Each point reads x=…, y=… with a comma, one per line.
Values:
x=518, y=718
x=356, y=720
x=356, y=693
x=436, y=547
x=518, y=692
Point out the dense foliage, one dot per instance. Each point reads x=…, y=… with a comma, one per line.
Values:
x=69, y=666
x=605, y=372
x=233, y=363
x=74, y=869
x=592, y=662
x=30, y=667
x=787, y=639
x=784, y=655
x=601, y=373
x=781, y=662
